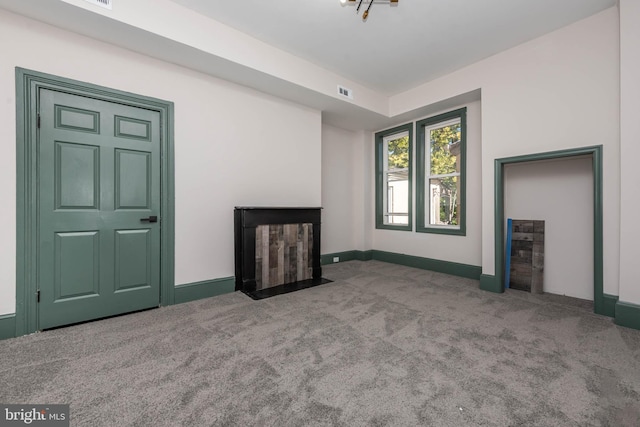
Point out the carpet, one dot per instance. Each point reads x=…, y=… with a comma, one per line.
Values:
x=383, y=345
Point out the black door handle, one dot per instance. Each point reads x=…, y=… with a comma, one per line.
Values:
x=152, y=218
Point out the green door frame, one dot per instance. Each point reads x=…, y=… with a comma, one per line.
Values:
x=596, y=154
x=28, y=83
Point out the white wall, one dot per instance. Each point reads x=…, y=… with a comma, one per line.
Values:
x=346, y=176
x=561, y=90
x=461, y=249
x=340, y=152
x=233, y=146
x=555, y=92
x=559, y=192
x=629, y=150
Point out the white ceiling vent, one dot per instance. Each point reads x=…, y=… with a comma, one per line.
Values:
x=107, y=4
x=348, y=93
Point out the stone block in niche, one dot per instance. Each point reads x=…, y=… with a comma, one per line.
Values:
x=527, y=256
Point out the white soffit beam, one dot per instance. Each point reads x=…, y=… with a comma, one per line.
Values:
x=172, y=33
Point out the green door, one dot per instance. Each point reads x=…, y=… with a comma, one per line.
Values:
x=98, y=192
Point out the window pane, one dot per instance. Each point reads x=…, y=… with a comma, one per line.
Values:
x=444, y=203
x=397, y=209
x=445, y=149
x=393, y=180
x=398, y=153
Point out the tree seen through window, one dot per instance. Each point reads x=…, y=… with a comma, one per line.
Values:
x=445, y=170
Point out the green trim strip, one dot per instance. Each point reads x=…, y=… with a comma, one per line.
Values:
x=421, y=149
x=596, y=153
x=168, y=204
x=609, y=305
x=205, y=289
x=628, y=315
x=379, y=138
x=453, y=268
x=490, y=283
x=28, y=85
x=7, y=326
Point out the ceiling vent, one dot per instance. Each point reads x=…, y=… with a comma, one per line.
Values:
x=347, y=93
x=107, y=4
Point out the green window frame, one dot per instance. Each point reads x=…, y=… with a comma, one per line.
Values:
x=396, y=168
x=441, y=172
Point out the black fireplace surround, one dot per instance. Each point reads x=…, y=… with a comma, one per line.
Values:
x=246, y=221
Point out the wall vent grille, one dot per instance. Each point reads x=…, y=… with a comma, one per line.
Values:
x=343, y=91
x=107, y=4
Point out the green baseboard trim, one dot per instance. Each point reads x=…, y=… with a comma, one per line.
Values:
x=491, y=283
x=7, y=326
x=343, y=256
x=453, y=268
x=628, y=315
x=609, y=305
x=205, y=289
x=347, y=256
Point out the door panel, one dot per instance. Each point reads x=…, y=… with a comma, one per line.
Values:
x=133, y=166
x=99, y=174
x=77, y=176
x=77, y=119
x=133, y=253
x=128, y=127
x=77, y=265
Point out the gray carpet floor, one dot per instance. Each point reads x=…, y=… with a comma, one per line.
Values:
x=381, y=345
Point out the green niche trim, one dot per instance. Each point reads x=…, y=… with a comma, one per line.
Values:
x=7, y=326
x=364, y=255
x=379, y=178
x=609, y=305
x=28, y=84
x=490, y=283
x=499, y=222
x=421, y=149
x=628, y=315
x=205, y=289
x=453, y=268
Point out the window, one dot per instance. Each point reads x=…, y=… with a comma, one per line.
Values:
x=441, y=153
x=393, y=178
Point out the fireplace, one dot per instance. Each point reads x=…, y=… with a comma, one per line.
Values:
x=277, y=250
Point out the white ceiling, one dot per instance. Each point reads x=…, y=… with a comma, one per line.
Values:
x=399, y=47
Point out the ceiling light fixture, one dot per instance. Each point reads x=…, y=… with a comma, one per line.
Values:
x=365, y=14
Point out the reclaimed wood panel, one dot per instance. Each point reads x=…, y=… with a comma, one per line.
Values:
x=284, y=254
x=264, y=252
x=527, y=256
